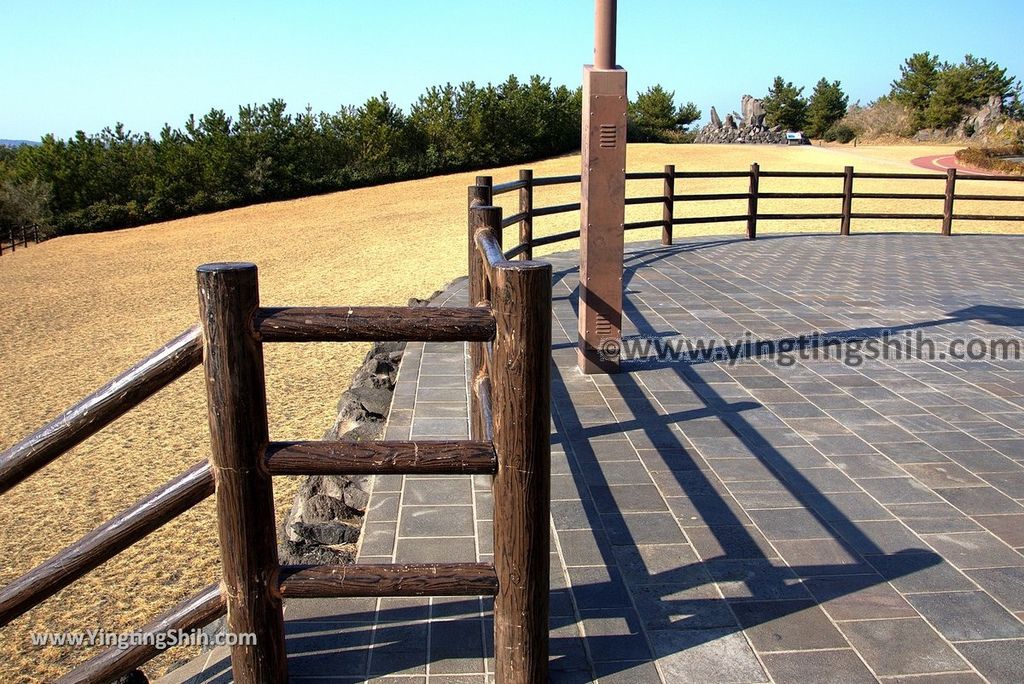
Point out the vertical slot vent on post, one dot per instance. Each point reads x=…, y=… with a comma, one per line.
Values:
x=609, y=135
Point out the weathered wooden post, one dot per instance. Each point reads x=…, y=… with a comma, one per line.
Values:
x=844, y=226
x=669, y=191
x=947, y=207
x=235, y=387
x=486, y=182
x=755, y=174
x=12, y=239
x=520, y=383
x=479, y=196
x=526, y=209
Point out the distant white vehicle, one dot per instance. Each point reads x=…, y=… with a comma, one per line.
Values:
x=797, y=138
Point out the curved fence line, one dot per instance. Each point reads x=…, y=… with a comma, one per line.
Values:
x=27, y=233
x=526, y=184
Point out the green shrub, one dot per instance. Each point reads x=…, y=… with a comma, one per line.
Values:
x=840, y=133
x=991, y=158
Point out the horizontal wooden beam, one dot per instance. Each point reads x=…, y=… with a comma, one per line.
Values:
x=193, y=613
x=986, y=217
x=376, y=457
x=711, y=196
x=374, y=323
x=557, y=237
x=988, y=177
x=519, y=249
x=106, y=541
x=637, y=225
x=802, y=174
x=900, y=176
x=630, y=201
x=871, y=215
x=514, y=218
x=901, y=195
x=502, y=188
x=799, y=217
x=556, y=180
x=556, y=209
x=801, y=195
x=993, y=198
x=712, y=174
x=708, y=219
x=645, y=175
x=102, y=407
x=423, y=579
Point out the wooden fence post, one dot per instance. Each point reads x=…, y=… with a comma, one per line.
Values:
x=844, y=226
x=947, y=207
x=479, y=196
x=487, y=182
x=669, y=191
x=526, y=208
x=485, y=217
x=235, y=386
x=13, y=245
x=755, y=172
x=520, y=385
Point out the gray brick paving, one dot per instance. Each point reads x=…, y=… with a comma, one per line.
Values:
x=804, y=520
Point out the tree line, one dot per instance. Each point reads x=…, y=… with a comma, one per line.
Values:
x=939, y=94
x=118, y=178
x=935, y=94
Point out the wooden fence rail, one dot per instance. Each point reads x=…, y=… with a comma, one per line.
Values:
x=511, y=339
x=19, y=236
x=844, y=195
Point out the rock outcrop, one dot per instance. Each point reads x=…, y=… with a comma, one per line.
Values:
x=748, y=129
x=325, y=520
x=978, y=125
x=752, y=110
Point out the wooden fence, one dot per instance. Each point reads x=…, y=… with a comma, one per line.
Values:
x=510, y=330
x=19, y=237
x=670, y=197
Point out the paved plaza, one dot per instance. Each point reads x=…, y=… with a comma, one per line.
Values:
x=815, y=511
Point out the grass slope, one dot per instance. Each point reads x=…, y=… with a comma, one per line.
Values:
x=78, y=309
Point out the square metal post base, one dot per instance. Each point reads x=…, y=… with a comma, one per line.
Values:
x=602, y=216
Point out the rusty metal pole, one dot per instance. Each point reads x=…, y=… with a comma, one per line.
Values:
x=603, y=201
x=604, y=34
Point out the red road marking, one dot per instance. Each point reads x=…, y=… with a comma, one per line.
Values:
x=941, y=162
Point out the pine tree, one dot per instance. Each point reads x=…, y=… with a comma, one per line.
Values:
x=785, y=106
x=919, y=78
x=826, y=107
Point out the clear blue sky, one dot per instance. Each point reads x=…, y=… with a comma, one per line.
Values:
x=84, y=65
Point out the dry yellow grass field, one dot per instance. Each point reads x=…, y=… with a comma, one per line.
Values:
x=76, y=310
